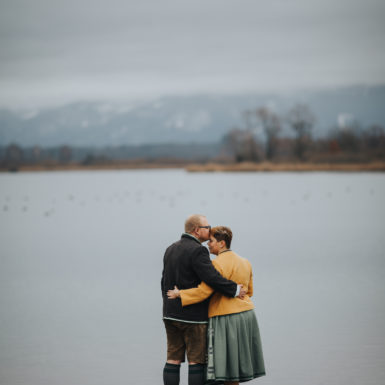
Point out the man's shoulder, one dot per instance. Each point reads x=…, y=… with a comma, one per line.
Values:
x=188, y=241
x=187, y=245
x=173, y=244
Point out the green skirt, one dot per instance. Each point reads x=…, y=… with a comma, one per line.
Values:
x=234, y=348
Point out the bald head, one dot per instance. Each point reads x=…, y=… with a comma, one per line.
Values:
x=192, y=222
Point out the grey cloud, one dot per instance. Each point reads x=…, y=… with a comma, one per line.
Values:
x=168, y=46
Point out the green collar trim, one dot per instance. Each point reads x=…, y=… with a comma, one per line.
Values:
x=192, y=236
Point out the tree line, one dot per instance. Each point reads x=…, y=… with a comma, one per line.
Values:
x=259, y=139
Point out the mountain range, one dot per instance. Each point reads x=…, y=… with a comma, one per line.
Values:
x=183, y=119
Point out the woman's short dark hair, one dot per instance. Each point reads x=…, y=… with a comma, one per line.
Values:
x=222, y=233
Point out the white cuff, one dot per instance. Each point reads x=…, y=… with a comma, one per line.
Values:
x=238, y=290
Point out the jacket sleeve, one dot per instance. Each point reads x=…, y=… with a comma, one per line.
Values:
x=205, y=270
x=162, y=279
x=196, y=294
x=161, y=283
x=199, y=293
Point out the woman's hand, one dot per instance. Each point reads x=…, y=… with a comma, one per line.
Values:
x=172, y=294
x=242, y=292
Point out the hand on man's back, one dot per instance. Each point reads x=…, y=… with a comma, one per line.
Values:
x=242, y=292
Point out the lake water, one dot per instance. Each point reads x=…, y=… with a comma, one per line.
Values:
x=81, y=258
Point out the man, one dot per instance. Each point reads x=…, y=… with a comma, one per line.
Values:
x=186, y=263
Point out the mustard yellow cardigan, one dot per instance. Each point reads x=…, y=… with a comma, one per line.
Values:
x=231, y=266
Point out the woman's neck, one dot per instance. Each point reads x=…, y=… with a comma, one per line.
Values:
x=222, y=251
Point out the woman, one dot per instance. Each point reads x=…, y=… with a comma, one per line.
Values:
x=234, y=344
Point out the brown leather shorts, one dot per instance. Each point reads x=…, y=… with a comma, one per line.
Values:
x=184, y=337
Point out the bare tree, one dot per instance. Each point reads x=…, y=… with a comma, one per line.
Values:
x=374, y=136
x=14, y=155
x=348, y=137
x=301, y=120
x=65, y=154
x=36, y=154
x=242, y=145
x=271, y=126
x=248, y=116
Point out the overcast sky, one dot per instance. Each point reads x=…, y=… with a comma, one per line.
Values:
x=62, y=51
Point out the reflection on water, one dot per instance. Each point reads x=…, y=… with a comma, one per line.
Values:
x=81, y=257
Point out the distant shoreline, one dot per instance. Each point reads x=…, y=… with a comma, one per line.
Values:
x=93, y=167
x=208, y=167
x=286, y=167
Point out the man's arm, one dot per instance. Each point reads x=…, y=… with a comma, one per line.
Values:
x=161, y=283
x=205, y=270
x=196, y=294
x=162, y=280
x=199, y=293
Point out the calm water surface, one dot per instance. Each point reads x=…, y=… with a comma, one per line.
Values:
x=81, y=258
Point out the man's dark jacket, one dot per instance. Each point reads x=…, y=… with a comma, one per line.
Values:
x=186, y=263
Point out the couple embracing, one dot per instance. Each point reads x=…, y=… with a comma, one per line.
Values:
x=207, y=310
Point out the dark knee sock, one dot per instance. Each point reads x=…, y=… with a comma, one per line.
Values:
x=196, y=374
x=171, y=374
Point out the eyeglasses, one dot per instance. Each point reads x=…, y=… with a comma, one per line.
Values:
x=205, y=227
